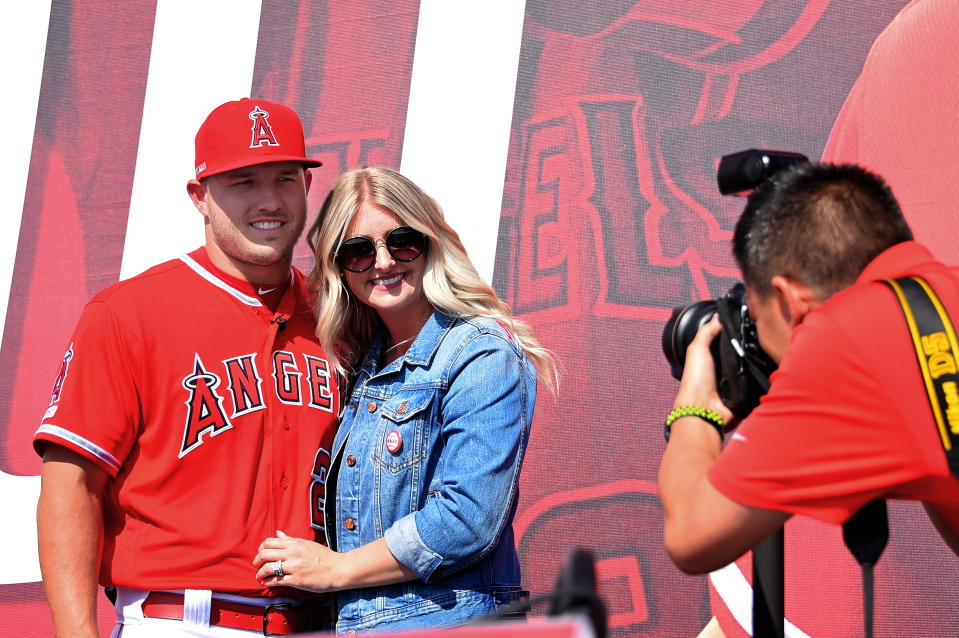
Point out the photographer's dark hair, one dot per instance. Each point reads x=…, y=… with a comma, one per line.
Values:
x=819, y=224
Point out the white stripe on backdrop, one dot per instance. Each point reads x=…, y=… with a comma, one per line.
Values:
x=460, y=111
x=458, y=77
x=184, y=84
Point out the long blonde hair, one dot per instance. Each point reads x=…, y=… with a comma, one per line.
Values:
x=346, y=327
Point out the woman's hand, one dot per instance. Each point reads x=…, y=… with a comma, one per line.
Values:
x=306, y=565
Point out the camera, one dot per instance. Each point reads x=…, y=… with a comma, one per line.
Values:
x=742, y=367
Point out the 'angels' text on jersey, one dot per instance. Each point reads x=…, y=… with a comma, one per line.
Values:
x=294, y=383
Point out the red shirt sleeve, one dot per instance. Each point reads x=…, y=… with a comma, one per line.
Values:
x=95, y=407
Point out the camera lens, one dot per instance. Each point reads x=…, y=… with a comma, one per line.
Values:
x=681, y=329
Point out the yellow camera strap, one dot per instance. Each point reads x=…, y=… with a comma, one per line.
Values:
x=934, y=338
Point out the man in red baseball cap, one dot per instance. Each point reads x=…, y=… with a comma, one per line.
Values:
x=194, y=409
x=260, y=141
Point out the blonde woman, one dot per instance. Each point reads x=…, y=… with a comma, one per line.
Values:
x=426, y=462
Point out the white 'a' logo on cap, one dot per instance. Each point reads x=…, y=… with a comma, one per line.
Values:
x=262, y=132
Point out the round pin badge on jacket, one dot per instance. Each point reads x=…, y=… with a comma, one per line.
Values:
x=394, y=441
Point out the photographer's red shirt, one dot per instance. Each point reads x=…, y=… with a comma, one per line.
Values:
x=847, y=417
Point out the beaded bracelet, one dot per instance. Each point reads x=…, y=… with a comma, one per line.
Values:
x=707, y=415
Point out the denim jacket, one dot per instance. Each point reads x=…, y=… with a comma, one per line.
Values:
x=428, y=455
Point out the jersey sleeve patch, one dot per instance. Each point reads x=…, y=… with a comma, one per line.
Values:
x=61, y=375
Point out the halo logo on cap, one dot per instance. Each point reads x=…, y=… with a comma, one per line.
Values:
x=262, y=132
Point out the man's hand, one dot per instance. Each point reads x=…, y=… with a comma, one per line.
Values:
x=698, y=385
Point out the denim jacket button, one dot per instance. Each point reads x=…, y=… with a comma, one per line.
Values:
x=351, y=460
x=371, y=406
x=349, y=524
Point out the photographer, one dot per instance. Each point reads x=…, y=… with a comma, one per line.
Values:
x=847, y=418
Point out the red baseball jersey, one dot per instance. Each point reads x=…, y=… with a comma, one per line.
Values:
x=213, y=407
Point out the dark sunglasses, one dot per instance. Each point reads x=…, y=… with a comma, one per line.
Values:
x=358, y=254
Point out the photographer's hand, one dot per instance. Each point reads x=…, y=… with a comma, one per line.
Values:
x=698, y=385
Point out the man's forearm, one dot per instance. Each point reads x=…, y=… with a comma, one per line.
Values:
x=69, y=533
x=702, y=528
x=682, y=476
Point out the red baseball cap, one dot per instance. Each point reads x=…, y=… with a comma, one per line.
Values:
x=247, y=132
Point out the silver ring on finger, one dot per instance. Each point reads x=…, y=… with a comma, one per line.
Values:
x=278, y=569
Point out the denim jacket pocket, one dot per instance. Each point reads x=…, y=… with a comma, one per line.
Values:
x=404, y=433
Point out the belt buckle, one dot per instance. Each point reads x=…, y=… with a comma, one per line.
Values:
x=266, y=616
